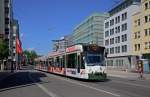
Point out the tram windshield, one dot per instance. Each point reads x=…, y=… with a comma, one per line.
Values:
x=95, y=59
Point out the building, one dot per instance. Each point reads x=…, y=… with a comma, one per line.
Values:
x=5, y=23
x=90, y=30
x=16, y=57
x=118, y=35
x=62, y=43
x=5, y=19
x=141, y=31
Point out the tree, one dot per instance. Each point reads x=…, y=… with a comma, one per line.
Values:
x=31, y=55
x=4, y=50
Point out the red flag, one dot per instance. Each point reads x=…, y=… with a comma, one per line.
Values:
x=18, y=46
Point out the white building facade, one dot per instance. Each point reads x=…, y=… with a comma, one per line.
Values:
x=117, y=35
x=91, y=30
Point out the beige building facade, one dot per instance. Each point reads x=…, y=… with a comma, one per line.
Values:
x=141, y=31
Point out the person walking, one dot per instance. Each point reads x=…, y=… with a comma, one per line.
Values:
x=140, y=70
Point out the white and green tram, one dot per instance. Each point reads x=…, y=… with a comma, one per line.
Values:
x=84, y=61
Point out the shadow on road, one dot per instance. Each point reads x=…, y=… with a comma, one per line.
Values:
x=21, y=79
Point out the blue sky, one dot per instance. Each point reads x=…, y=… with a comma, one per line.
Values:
x=44, y=20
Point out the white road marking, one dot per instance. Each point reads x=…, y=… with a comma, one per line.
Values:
x=49, y=93
x=138, y=85
x=87, y=86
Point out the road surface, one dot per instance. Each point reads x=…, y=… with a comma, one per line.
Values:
x=32, y=83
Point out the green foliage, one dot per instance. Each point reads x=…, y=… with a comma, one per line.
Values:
x=4, y=50
x=31, y=55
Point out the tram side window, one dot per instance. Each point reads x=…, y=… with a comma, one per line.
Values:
x=57, y=64
x=71, y=60
x=82, y=63
x=51, y=62
x=46, y=63
x=63, y=61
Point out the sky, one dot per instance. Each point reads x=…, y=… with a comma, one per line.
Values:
x=42, y=21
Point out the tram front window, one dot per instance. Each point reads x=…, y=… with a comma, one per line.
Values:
x=93, y=59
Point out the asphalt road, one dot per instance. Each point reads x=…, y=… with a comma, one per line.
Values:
x=31, y=83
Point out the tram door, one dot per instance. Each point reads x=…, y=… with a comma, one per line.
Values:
x=79, y=62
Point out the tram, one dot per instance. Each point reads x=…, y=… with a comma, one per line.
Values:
x=83, y=61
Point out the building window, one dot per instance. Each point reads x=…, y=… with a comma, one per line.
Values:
x=117, y=29
x=149, y=4
x=137, y=35
x=146, y=19
x=106, y=33
x=6, y=29
x=117, y=49
x=107, y=50
x=146, y=32
x=124, y=27
x=107, y=42
x=6, y=10
x=6, y=1
x=124, y=16
x=111, y=41
x=124, y=37
x=111, y=31
x=146, y=6
x=118, y=19
x=138, y=23
x=139, y=47
x=135, y=46
x=112, y=50
x=146, y=45
x=117, y=39
x=149, y=31
x=106, y=24
x=124, y=48
x=6, y=20
x=111, y=22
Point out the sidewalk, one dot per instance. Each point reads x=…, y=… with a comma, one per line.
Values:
x=126, y=74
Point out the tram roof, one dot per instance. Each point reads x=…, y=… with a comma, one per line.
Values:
x=84, y=44
x=55, y=53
